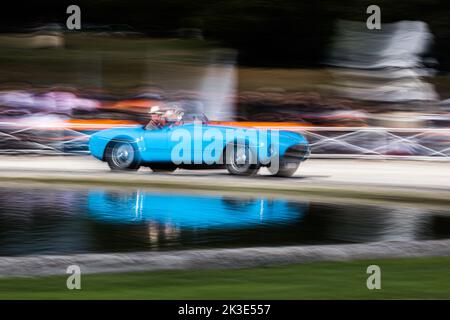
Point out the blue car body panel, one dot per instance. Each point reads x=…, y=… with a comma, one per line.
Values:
x=157, y=145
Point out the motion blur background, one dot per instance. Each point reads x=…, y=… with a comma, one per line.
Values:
x=310, y=66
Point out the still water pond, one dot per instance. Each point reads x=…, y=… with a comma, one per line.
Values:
x=65, y=221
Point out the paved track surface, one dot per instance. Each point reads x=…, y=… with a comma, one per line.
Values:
x=430, y=174
x=420, y=182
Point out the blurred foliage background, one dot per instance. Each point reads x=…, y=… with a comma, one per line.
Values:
x=287, y=33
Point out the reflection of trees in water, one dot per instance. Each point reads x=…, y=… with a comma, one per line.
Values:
x=119, y=237
x=110, y=237
x=350, y=223
x=363, y=223
x=56, y=221
x=438, y=227
x=41, y=221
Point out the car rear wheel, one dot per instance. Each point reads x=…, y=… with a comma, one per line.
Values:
x=240, y=159
x=122, y=155
x=286, y=167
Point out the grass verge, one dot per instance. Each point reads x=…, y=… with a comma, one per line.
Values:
x=417, y=278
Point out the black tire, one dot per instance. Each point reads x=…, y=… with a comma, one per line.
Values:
x=249, y=165
x=163, y=168
x=122, y=155
x=286, y=168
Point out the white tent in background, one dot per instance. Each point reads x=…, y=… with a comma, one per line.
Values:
x=381, y=65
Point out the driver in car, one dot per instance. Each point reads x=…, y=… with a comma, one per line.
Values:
x=157, y=120
x=174, y=116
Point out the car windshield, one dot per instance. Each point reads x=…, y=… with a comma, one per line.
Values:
x=194, y=117
x=175, y=117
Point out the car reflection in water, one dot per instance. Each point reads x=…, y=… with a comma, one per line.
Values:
x=67, y=221
x=190, y=211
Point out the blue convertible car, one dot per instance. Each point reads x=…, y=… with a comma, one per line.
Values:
x=192, y=143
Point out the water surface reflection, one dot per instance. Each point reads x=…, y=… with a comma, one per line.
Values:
x=53, y=221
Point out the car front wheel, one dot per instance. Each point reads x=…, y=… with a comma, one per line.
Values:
x=241, y=159
x=122, y=155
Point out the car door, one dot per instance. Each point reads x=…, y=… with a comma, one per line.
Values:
x=186, y=141
x=157, y=145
